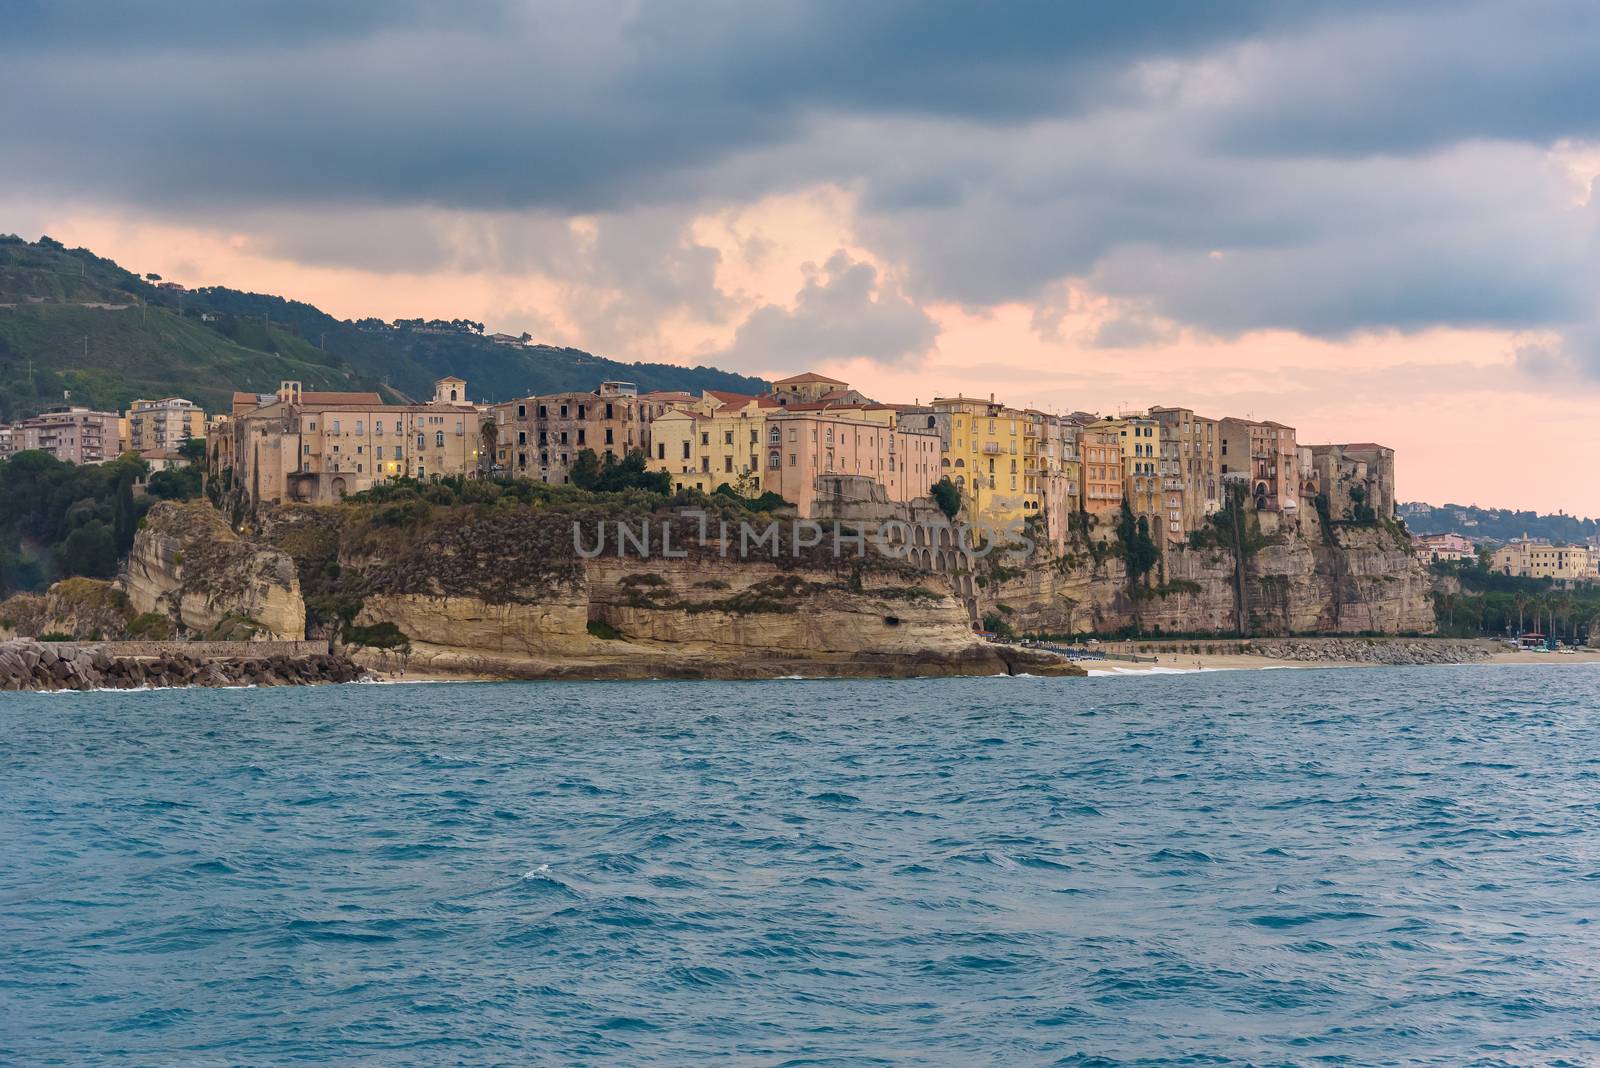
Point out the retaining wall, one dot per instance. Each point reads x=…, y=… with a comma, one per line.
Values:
x=205, y=650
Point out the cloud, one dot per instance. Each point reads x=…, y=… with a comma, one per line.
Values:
x=1326, y=168
x=844, y=312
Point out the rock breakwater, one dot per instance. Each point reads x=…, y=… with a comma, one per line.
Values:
x=1374, y=650
x=31, y=665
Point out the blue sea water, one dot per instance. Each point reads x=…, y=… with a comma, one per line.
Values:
x=1287, y=867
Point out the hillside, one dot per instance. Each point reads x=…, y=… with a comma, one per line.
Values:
x=71, y=320
x=1495, y=524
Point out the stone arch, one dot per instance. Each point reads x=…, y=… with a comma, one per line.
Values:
x=338, y=488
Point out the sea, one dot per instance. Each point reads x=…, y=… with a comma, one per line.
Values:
x=1319, y=867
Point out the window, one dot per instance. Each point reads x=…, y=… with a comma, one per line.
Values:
x=399, y=453
x=580, y=412
x=438, y=438
x=563, y=437
x=563, y=411
x=422, y=439
x=705, y=439
x=661, y=451
x=377, y=427
x=336, y=426
x=522, y=437
x=727, y=465
x=379, y=452
x=581, y=433
x=522, y=411
x=543, y=413
x=727, y=437
x=359, y=429
x=609, y=414
x=608, y=436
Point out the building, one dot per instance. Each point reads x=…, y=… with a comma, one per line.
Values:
x=540, y=437
x=1103, y=472
x=1059, y=476
x=1538, y=558
x=801, y=443
x=8, y=442
x=1353, y=476
x=75, y=435
x=163, y=424
x=1266, y=456
x=812, y=388
x=1191, y=469
x=985, y=455
x=304, y=445
x=1446, y=548
x=716, y=441
x=1140, y=439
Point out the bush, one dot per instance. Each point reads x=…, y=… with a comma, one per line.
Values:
x=151, y=627
x=378, y=636
x=604, y=631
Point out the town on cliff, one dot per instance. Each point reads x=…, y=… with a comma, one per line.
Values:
x=461, y=538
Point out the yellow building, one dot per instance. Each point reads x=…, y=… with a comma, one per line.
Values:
x=1537, y=558
x=717, y=441
x=1140, y=440
x=991, y=453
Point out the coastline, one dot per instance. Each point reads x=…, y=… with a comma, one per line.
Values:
x=1189, y=663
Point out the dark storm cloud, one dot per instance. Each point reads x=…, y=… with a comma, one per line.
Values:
x=1319, y=167
x=573, y=106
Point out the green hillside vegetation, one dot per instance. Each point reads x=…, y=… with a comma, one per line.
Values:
x=109, y=358
x=204, y=343
x=1496, y=524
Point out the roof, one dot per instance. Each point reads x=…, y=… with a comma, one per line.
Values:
x=335, y=400
x=160, y=454
x=807, y=376
x=727, y=398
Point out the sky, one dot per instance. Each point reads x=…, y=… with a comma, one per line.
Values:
x=1368, y=221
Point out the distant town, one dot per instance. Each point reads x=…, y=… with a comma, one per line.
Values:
x=1170, y=467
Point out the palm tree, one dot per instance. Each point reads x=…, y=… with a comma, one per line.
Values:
x=1522, y=601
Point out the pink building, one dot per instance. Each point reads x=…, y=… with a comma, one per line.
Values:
x=800, y=444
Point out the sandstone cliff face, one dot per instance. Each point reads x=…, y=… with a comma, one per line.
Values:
x=1362, y=581
x=680, y=618
x=188, y=565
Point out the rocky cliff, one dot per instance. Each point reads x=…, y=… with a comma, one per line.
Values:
x=188, y=566
x=1353, y=580
x=502, y=591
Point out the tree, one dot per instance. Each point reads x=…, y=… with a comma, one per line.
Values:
x=152, y=277
x=585, y=471
x=193, y=450
x=488, y=445
x=89, y=550
x=1139, y=551
x=948, y=497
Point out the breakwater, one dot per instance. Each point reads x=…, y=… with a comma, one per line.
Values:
x=26, y=664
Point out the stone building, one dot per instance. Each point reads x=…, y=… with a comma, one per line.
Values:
x=1360, y=473
x=1191, y=469
x=540, y=437
x=317, y=447
x=1265, y=453
x=1528, y=557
